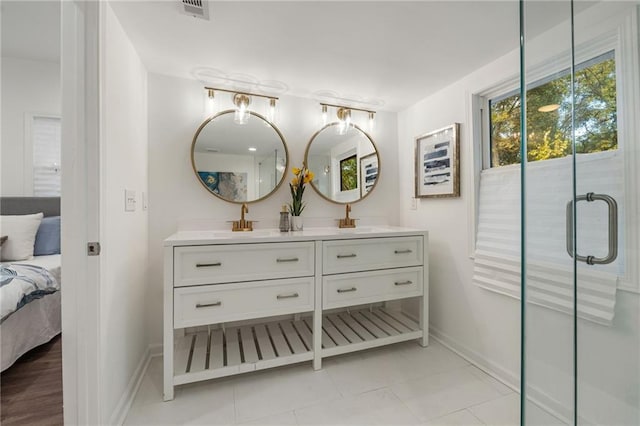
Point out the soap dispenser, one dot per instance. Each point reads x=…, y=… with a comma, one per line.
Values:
x=284, y=219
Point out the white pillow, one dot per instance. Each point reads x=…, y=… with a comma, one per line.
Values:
x=21, y=232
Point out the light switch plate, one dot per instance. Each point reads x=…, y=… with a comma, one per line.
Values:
x=144, y=201
x=129, y=200
x=414, y=204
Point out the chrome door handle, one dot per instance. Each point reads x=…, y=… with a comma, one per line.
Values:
x=346, y=290
x=345, y=256
x=403, y=251
x=613, y=229
x=287, y=296
x=206, y=265
x=407, y=282
x=291, y=259
x=208, y=305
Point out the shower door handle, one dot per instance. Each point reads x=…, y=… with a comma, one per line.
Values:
x=613, y=229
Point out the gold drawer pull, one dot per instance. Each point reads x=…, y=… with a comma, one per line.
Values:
x=403, y=251
x=345, y=256
x=346, y=290
x=290, y=259
x=208, y=305
x=407, y=282
x=206, y=265
x=287, y=296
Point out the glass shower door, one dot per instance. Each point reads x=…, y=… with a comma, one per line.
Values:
x=579, y=156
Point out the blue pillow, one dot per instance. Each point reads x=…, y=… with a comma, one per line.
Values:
x=48, y=237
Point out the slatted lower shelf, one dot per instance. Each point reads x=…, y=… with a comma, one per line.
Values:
x=236, y=350
x=356, y=330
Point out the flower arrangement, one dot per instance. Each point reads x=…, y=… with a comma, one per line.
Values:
x=301, y=177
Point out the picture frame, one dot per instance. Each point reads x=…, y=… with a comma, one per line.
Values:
x=368, y=173
x=437, y=163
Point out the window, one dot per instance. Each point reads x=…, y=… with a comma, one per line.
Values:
x=601, y=168
x=45, y=136
x=349, y=173
x=549, y=115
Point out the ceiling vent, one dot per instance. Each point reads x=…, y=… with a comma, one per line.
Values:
x=195, y=8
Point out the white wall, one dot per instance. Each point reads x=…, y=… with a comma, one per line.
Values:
x=123, y=234
x=28, y=86
x=177, y=200
x=485, y=326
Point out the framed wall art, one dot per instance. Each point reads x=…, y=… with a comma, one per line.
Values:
x=368, y=173
x=437, y=157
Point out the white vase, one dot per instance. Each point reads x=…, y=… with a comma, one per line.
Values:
x=296, y=223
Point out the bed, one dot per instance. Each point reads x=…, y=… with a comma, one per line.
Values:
x=38, y=321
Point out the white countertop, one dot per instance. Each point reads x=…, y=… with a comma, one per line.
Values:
x=182, y=238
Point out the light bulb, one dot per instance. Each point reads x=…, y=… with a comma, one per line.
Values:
x=242, y=114
x=271, y=112
x=371, y=121
x=210, y=103
x=324, y=115
x=344, y=120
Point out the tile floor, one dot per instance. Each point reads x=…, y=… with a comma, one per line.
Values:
x=401, y=384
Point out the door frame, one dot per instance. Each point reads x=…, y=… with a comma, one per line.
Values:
x=80, y=211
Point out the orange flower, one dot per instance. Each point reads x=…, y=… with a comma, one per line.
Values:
x=296, y=171
x=294, y=181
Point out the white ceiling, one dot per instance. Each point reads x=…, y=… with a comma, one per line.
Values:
x=392, y=53
x=397, y=52
x=31, y=29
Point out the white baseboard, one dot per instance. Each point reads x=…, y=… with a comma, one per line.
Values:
x=508, y=378
x=155, y=349
x=124, y=404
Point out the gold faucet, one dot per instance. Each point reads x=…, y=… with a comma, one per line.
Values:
x=242, y=224
x=347, y=222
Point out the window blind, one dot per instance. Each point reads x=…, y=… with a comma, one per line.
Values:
x=45, y=133
x=549, y=270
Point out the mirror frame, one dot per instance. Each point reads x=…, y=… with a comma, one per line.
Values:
x=232, y=111
x=306, y=163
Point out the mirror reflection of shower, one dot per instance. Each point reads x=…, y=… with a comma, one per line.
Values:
x=270, y=169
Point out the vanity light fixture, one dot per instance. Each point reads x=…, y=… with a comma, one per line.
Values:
x=344, y=116
x=241, y=101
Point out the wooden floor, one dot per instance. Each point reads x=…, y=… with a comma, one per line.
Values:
x=31, y=389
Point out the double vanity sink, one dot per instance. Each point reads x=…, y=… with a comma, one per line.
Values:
x=275, y=234
x=237, y=302
x=242, y=300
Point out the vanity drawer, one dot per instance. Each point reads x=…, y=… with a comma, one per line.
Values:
x=201, y=305
x=372, y=253
x=368, y=287
x=196, y=265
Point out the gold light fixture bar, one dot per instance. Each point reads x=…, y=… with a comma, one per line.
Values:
x=347, y=107
x=241, y=93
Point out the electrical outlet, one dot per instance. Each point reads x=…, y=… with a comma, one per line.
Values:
x=129, y=200
x=414, y=204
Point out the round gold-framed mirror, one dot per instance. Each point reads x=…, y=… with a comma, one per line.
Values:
x=239, y=163
x=345, y=162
